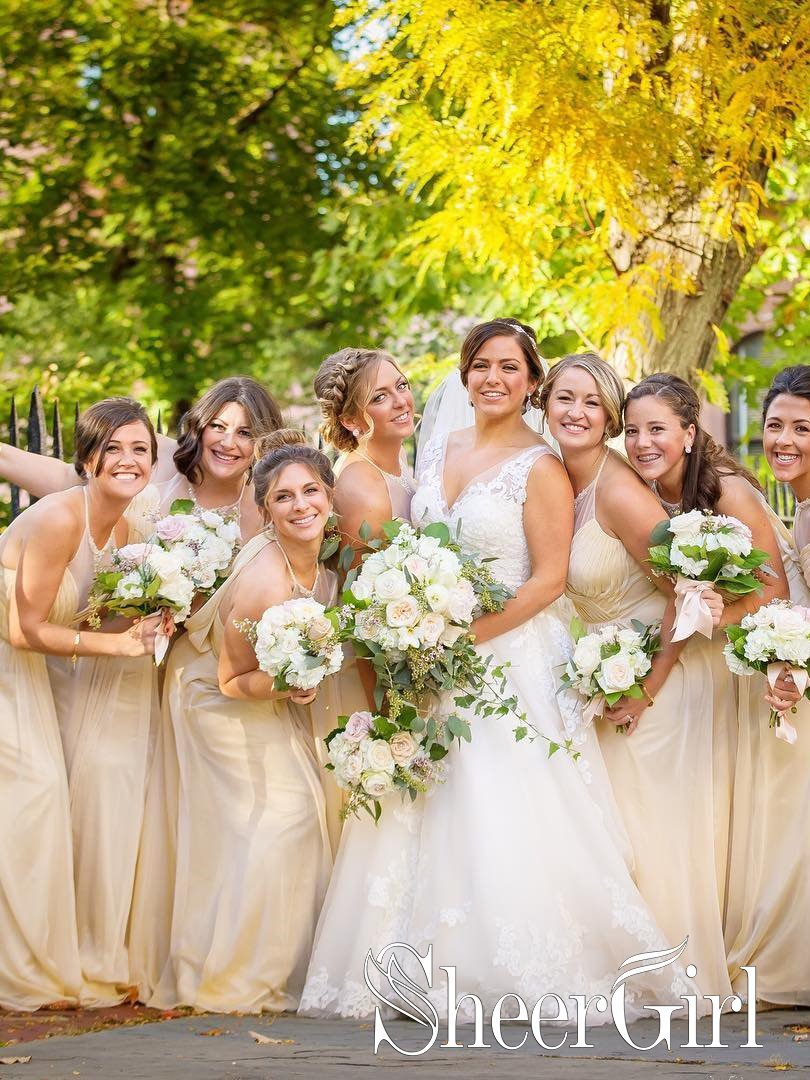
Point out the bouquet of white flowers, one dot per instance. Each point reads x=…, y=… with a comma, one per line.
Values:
x=373, y=756
x=775, y=637
x=298, y=643
x=610, y=663
x=697, y=549
x=206, y=540
x=408, y=608
x=143, y=579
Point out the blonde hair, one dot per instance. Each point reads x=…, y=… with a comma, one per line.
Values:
x=608, y=384
x=287, y=446
x=344, y=386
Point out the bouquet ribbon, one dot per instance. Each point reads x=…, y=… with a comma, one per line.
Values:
x=784, y=729
x=692, y=613
x=163, y=636
x=595, y=707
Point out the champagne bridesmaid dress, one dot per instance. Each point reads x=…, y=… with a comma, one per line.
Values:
x=661, y=774
x=252, y=853
x=39, y=951
x=768, y=916
x=104, y=705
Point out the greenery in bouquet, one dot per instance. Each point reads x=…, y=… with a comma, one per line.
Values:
x=702, y=546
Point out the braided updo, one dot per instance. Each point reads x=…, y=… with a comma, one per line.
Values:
x=287, y=446
x=343, y=387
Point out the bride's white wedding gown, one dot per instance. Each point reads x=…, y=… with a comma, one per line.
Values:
x=517, y=868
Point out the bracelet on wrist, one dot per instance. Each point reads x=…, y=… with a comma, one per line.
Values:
x=76, y=642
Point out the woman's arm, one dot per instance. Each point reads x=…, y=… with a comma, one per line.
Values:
x=41, y=565
x=361, y=496
x=37, y=474
x=740, y=500
x=548, y=522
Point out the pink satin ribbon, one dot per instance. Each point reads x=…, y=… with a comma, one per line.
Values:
x=692, y=613
x=163, y=636
x=594, y=709
x=784, y=730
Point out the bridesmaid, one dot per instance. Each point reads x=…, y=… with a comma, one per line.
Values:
x=368, y=413
x=688, y=470
x=769, y=883
x=209, y=463
x=367, y=409
x=252, y=850
x=660, y=769
x=49, y=556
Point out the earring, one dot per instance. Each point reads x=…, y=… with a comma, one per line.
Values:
x=270, y=531
x=355, y=432
x=687, y=449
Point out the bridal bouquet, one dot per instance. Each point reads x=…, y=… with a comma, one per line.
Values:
x=143, y=579
x=700, y=548
x=610, y=663
x=373, y=756
x=298, y=643
x=206, y=540
x=775, y=637
x=408, y=609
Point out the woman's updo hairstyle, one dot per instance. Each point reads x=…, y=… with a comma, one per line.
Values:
x=287, y=446
x=97, y=425
x=608, y=384
x=344, y=386
x=523, y=335
x=263, y=415
x=791, y=380
x=708, y=462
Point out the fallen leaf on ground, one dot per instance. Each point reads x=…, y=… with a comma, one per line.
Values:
x=213, y=1031
x=800, y=1029
x=265, y=1040
x=15, y=1060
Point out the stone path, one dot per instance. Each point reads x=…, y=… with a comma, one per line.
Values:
x=212, y=1047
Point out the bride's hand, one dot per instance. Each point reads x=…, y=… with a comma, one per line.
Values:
x=626, y=713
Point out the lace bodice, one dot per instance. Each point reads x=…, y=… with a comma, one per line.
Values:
x=488, y=511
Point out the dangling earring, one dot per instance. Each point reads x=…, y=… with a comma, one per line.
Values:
x=687, y=449
x=269, y=531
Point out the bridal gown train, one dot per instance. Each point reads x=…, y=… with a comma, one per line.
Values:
x=516, y=869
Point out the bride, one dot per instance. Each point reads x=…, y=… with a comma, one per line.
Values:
x=515, y=869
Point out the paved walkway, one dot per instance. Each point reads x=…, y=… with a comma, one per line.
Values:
x=226, y=1048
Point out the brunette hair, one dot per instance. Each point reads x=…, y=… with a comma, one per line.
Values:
x=263, y=415
x=791, y=380
x=608, y=384
x=708, y=462
x=97, y=425
x=343, y=386
x=523, y=335
x=287, y=446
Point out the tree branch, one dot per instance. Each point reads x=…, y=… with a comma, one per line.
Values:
x=251, y=117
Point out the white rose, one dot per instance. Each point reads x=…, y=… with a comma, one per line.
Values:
x=461, y=602
x=403, y=612
x=689, y=524
x=430, y=628
x=362, y=590
x=616, y=673
x=451, y=634
x=377, y=756
x=393, y=556
x=416, y=566
x=690, y=568
x=427, y=546
x=377, y=784
x=351, y=768
x=340, y=748
x=587, y=654
x=437, y=597
x=129, y=587
x=626, y=636
x=391, y=585
x=228, y=531
x=372, y=566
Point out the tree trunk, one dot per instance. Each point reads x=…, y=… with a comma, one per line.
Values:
x=693, y=278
